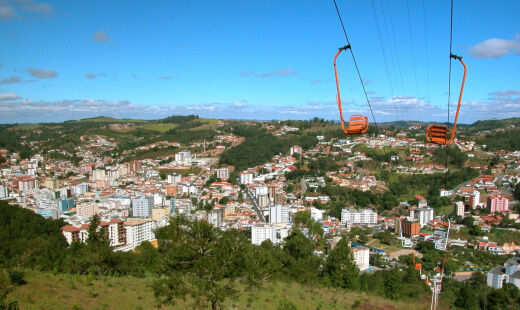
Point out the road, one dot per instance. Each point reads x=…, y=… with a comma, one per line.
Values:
x=255, y=205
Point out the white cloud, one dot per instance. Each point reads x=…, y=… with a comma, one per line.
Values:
x=285, y=72
x=505, y=93
x=495, y=48
x=318, y=102
x=8, y=97
x=100, y=37
x=502, y=103
x=42, y=74
x=34, y=7
x=92, y=76
x=7, y=12
x=10, y=80
x=164, y=77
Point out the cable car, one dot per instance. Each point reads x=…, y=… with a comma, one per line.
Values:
x=439, y=133
x=357, y=124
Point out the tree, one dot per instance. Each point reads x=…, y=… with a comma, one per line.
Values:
x=304, y=218
x=468, y=221
x=224, y=200
x=475, y=230
x=467, y=298
x=301, y=263
x=517, y=191
x=95, y=256
x=201, y=261
x=393, y=284
x=340, y=267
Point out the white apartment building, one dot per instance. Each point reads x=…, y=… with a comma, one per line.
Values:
x=87, y=209
x=183, y=157
x=261, y=190
x=142, y=207
x=361, y=256
x=263, y=200
x=279, y=214
x=296, y=149
x=223, y=173
x=316, y=214
x=182, y=205
x=27, y=184
x=509, y=273
x=3, y=192
x=98, y=175
x=138, y=231
x=424, y=215
x=80, y=189
x=246, y=177
x=459, y=208
x=261, y=232
x=116, y=232
x=474, y=199
x=115, y=229
x=362, y=216
x=174, y=178
x=215, y=216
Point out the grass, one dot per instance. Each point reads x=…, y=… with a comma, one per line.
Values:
x=445, y=210
x=26, y=127
x=63, y=291
x=162, y=128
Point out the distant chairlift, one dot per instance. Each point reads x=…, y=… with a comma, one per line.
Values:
x=439, y=133
x=358, y=124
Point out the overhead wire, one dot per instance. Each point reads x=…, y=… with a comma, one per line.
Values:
x=384, y=54
x=356, y=65
x=393, y=49
x=427, y=57
x=449, y=70
x=361, y=80
x=413, y=51
x=449, y=88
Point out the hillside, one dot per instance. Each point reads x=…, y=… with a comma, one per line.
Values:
x=48, y=291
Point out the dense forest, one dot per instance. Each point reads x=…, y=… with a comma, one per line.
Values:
x=260, y=146
x=508, y=140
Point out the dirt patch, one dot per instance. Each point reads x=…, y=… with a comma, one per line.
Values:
x=403, y=252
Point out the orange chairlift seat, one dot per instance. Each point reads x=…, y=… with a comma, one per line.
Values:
x=417, y=266
x=358, y=123
x=439, y=133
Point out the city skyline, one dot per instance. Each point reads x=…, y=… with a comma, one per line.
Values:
x=254, y=60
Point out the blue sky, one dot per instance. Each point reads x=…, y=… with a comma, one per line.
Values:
x=264, y=59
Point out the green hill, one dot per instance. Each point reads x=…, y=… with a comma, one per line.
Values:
x=45, y=290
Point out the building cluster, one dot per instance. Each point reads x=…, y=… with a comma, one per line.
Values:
x=134, y=198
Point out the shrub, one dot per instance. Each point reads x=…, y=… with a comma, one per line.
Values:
x=16, y=277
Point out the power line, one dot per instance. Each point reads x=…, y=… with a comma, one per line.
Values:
x=413, y=52
x=355, y=64
x=384, y=53
x=449, y=71
x=393, y=51
x=427, y=58
x=392, y=31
